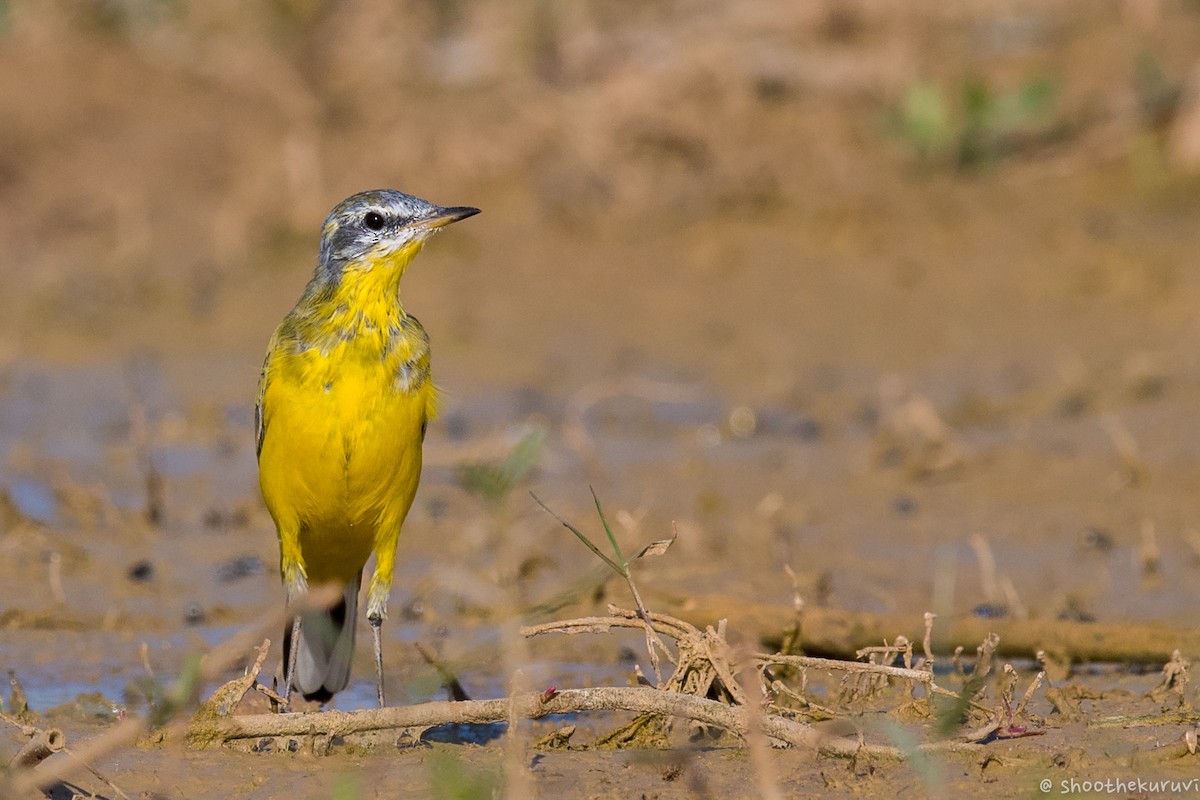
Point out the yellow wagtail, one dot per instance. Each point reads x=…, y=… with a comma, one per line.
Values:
x=343, y=401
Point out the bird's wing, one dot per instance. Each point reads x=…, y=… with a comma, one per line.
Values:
x=260, y=412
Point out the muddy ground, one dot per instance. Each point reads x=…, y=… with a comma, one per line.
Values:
x=876, y=291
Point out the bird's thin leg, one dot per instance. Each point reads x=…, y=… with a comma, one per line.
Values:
x=296, y=582
x=376, y=621
x=377, y=598
x=293, y=654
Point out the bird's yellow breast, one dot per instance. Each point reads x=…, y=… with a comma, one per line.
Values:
x=344, y=407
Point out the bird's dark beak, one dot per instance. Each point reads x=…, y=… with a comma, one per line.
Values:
x=445, y=216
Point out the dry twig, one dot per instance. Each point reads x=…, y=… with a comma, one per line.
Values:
x=918, y=675
x=44, y=744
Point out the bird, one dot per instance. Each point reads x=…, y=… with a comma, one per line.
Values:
x=344, y=399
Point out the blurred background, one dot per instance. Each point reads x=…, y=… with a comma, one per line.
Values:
x=900, y=295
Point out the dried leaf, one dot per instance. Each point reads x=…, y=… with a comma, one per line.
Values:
x=655, y=548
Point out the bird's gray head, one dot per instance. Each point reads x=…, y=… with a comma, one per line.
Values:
x=379, y=225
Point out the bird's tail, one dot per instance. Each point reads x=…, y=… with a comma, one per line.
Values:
x=326, y=647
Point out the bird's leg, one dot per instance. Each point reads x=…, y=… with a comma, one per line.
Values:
x=376, y=621
x=377, y=597
x=293, y=654
x=296, y=582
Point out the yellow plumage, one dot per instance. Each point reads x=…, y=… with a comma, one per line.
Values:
x=344, y=399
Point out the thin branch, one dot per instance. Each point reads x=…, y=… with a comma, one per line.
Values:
x=778, y=687
x=812, y=662
x=44, y=744
x=926, y=641
x=534, y=705
x=1033, y=687
x=627, y=619
x=526, y=706
x=116, y=790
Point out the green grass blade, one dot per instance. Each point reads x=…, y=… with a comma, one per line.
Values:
x=588, y=542
x=611, y=538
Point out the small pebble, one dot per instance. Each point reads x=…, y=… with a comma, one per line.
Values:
x=238, y=568
x=1098, y=539
x=142, y=571
x=807, y=429
x=194, y=615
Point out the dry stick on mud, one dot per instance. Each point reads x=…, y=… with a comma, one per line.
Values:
x=665, y=624
x=833, y=632
x=209, y=731
x=214, y=732
x=531, y=705
x=44, y=744
x=674, y=628
x=810, y=662
x=124, y=734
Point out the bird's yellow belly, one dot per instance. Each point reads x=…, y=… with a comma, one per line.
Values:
x=342, y=459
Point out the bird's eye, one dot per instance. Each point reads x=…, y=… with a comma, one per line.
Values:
x=373, y=220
